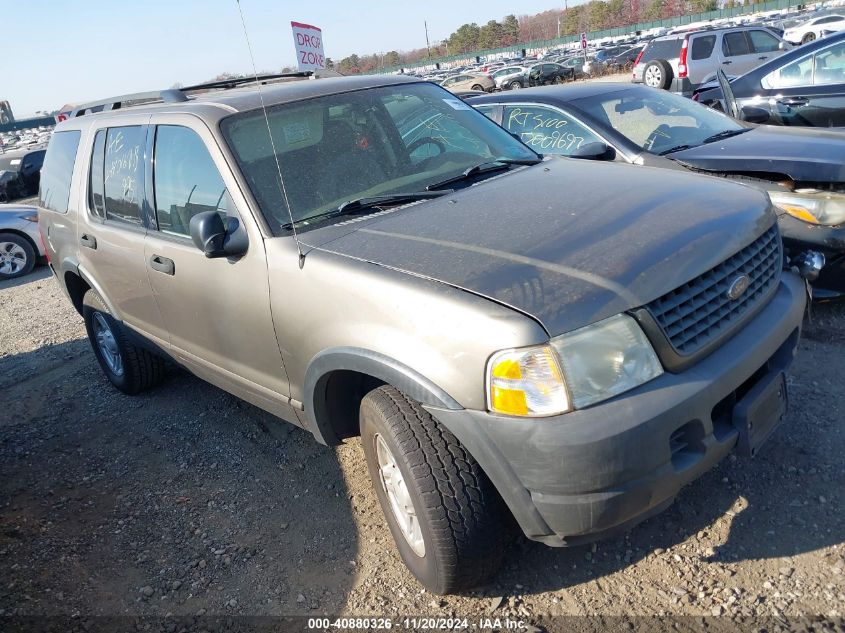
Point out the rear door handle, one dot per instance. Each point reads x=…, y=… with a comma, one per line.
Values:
x=794, y=101
x=727, y=62
x=764, y=57
x=163, y=265
x=88, y=241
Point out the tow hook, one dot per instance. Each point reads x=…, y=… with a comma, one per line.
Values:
x=808, y=264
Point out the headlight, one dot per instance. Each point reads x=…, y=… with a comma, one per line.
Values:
x=811, y=205
x=605, y=359
x=575, y=370
x=526, y=382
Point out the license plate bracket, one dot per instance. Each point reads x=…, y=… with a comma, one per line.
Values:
x=759, y=412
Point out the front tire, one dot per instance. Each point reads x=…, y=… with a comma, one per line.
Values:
x=478, y=88
x=515, y=85
x=447, y=519
x=17, y=257
x=130, y=368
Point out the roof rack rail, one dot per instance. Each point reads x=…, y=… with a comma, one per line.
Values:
x=177, y=95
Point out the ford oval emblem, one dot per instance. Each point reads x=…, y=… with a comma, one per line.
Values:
x=738, y=287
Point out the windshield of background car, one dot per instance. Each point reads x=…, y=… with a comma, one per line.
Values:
x=656, y=120
x=342, y=147
x=10, y=163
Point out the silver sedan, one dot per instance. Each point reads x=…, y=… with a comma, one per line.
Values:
x=20, y=242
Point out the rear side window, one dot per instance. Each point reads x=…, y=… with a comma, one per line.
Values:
x=734, y=44
x=763, y=42
x=186, y=179
x=662, y=49
x=124, y=173
x=58, y=171
x=702, y=47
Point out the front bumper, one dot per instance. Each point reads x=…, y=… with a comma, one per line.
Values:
x=578, y=477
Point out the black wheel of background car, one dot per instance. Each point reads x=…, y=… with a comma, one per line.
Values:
x=515, y=85
x=17, y=257
x=478, y=87
x=809, y=37
x=130, y=368
x=658, y=74
x=448, y=521
x=427, y=140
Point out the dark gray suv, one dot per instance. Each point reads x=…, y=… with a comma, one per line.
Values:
x=556, y=344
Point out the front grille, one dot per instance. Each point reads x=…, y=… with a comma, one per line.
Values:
x=700, y=311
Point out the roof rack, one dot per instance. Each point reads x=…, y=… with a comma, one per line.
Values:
x=177, y=95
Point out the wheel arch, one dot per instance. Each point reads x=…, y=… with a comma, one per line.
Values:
x=338, y=378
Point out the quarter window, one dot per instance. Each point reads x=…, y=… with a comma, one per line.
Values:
x=96, y=194
x=58, y=171
x=547, y=130
x=830, y=65
x=186, y=180
x=734, y=44
x=702, y=47
x=123, y=177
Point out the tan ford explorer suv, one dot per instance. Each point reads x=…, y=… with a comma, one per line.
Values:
x=556, y=344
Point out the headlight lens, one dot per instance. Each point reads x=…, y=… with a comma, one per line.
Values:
x=526, y=382
x=605, y=359
x=813, y=206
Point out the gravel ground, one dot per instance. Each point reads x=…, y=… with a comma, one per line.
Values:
x=187, y=501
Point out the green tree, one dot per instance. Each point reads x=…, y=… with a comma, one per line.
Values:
x=654, y=11
x=391, y=58
x=490, y=35
x=510, y=31
x=465, y=39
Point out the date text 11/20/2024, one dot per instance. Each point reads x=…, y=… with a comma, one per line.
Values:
x=417, y=624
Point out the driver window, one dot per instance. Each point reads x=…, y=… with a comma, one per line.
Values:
x=734, y=44
x=830, y=65
x=547, y=130
x=186, y=180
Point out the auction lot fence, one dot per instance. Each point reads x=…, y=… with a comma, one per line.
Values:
x=761, y=7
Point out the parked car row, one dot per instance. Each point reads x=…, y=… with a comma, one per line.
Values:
x=20, y=173
x=555, y=345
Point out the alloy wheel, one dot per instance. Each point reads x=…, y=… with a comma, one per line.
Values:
x=12, y=258
x=399, y=497
x=107, y=344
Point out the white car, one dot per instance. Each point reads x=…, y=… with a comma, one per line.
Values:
x=812, y=29
x=20, y=242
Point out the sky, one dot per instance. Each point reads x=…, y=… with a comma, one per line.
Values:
x=75, y=51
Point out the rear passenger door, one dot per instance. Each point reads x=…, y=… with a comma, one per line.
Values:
x=216, y=310
x=111, y=229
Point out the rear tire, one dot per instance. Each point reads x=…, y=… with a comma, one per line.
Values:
x=515, y=85
x=17, y=257
x=808, y=37
x=478, y=87
x=130, y=368
x=658, y=74
x=455, y=523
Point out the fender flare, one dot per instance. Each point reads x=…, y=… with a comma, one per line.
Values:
x=367, y=362
x=99, y=290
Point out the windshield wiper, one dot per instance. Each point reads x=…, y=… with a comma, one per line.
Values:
x=718, y=136
x=363, y=204
x=677, y=148
x=498, y=164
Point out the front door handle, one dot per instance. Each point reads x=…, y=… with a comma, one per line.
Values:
x=764, y=57
x=727, y=62
x=88, y=241
x=163, y=265
x=794, y=101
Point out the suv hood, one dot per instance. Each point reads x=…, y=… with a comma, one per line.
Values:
x=567, y=242
x=803, y=155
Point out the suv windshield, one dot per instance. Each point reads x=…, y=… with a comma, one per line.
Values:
x=659, y=121
x=353, y=145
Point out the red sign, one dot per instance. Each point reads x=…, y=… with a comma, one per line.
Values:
x=308, y=41
x=584, y=41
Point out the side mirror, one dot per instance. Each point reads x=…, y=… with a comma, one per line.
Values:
x=216, y=237
x=753, y=114
x=781, y=45
x=594, y=151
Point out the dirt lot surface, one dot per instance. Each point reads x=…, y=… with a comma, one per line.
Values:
x=188, y=501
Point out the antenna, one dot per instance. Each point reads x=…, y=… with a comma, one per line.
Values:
x=272, y=143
